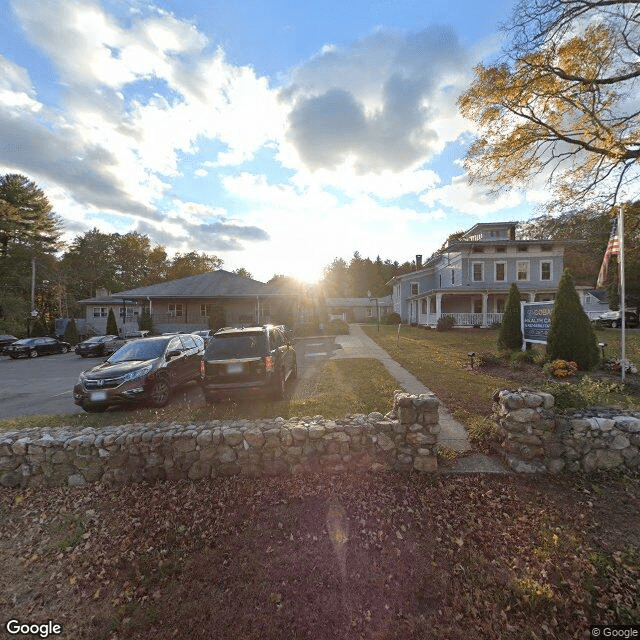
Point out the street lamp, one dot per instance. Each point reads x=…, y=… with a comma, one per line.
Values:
x=371, y=299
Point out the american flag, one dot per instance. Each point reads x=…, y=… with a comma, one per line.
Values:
x=613, y=249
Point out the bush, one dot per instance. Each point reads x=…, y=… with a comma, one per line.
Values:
x=112, y=325
x=510, y=334
x=71, y=332
x=391, y=318
x=145, y=322
x=518, y=358
x=587, y=392
x=337, y=327
x=561, y=368
x=571, y=336
x=445, y=323
x=487, y=359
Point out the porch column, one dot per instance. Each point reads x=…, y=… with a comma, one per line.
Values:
x=532, y=296
x=485, y=301
x=438, y=306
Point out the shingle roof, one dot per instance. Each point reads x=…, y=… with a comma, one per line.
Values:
x=215, y=284
x=357, y=302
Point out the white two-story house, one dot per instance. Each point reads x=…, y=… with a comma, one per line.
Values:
x=470, y=278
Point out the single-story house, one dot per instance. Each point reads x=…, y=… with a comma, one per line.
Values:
x=186, y=304
x=358, y=309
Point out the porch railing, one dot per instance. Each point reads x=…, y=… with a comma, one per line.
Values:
x=461, y=319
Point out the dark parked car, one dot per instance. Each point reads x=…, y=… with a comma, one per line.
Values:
x=245, y=361
x=614, y=319
x=99, y=346
x=34, y=347
x=6, y=340
x=146, y=369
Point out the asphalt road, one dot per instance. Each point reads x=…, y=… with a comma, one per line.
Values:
x=44, y=385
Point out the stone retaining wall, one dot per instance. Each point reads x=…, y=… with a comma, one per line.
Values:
x=535, y=439
x=404, y=440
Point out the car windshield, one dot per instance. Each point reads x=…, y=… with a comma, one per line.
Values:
x=96, y=339
x=139, y=350
x=24, y=341
x=243, y=345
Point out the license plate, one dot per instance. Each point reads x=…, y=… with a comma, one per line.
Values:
x=234, y=368
x=96, y=396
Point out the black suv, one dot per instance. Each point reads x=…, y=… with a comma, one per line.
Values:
x=246, y=361
x=147, y=369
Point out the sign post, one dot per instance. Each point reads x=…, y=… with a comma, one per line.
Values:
x=535, y=322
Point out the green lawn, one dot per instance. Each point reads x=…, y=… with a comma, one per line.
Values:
x=439, y=359
x=344, y=387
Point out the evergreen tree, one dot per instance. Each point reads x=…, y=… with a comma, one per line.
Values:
x=510, y=335
x=571, y=336
x=71, y=332
x=112, y=325
x=145, y=322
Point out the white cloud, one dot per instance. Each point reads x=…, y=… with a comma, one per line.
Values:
x=470, y=199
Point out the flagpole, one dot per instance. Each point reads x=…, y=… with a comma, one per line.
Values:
x=623, y=361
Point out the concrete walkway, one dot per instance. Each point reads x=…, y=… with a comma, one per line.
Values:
x=453, y=434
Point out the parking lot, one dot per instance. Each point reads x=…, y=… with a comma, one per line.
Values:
x=43, y=386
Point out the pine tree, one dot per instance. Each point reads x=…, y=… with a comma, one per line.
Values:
x=571, y=336
x=510, y=335
x=112, y=325
x=71, y=332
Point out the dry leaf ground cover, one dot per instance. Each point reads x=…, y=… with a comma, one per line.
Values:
x=325, y=557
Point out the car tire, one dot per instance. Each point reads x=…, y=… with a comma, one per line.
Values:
x=33, y=353
x=64, y=350
x=160, y=392
x=13, y=357
x=614, y=324
x=278, y=389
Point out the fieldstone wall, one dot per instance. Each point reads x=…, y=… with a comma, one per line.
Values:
x=403, y=440
x=535, y=439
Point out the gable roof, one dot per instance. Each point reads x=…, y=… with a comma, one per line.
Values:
x=215, y=284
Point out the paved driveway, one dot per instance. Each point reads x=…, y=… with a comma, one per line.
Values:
x=44, y=385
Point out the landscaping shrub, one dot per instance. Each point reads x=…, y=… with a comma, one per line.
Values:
x=145, y=322
x=71, y=332
x=518, y=358
x=487, y=359
x=561, y=368
x=445, y=323
x=510, y=334
x=587, y=392
x=391, y=318
x=112, y=325
x=571, y=336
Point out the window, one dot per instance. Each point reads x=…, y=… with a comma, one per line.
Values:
x=100, y=312
x=477, y=306
x=546, y=270
x=369, y=312
x=477, y=249
x=414, y=288
x=129, y=311
x=453, y=276
x=546, y=247
x=500, y=274
x=477, y=271
x=175, y=310
x=500, y=305
x=523, y=269
x=204, y=311
x=501, y=249
x=523, y=248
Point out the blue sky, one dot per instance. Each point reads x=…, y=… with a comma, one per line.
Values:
x=277, y=135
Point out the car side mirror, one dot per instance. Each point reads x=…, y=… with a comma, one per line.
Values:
x=173, y=353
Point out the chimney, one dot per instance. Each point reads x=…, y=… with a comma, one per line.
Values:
x=418, y=261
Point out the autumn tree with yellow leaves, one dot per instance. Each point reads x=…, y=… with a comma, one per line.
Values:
x=563, y=103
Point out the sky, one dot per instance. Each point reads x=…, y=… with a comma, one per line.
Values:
x=277, y=135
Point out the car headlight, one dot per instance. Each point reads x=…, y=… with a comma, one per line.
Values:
x=137, y=374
